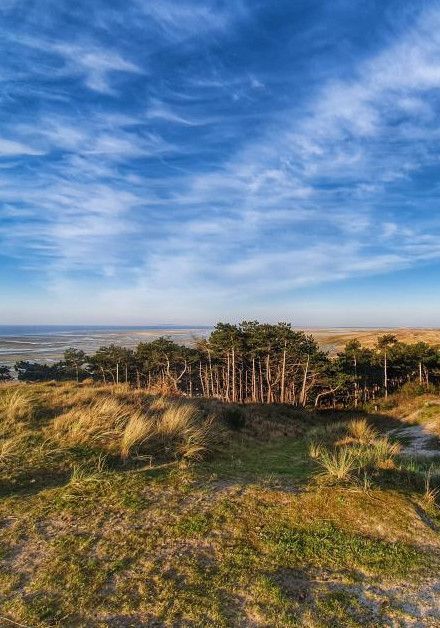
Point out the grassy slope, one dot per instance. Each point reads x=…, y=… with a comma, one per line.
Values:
x=334, y=340
x=246, y=538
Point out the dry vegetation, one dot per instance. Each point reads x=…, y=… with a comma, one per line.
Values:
x=122, y=509
x=334, y=340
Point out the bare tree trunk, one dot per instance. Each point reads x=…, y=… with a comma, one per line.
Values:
x=355, y=383
x=283, y=374
x=228, y=377
x=210, y=373
x=303, y=390
x=269, y=387
x=201, y=379
x=385, y=373
x=234, y=398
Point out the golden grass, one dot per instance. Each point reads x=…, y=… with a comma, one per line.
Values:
x=139, y=431
x=180, y=424
x=336, y=340
x=361, y=431
x=17, y=404
x=314, y=450
x=99, y=423
x=171, y=428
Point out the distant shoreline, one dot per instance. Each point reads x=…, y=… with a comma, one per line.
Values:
x=47, y=343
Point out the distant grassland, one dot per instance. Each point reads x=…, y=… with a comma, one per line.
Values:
x=334, y=340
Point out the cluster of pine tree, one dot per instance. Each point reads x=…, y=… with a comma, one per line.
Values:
x=252, y=363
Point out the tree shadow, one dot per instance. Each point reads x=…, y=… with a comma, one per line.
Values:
x=33, y=483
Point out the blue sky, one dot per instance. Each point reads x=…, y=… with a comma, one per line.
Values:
x=182, y=162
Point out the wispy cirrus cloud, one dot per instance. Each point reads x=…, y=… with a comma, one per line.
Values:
x=190, y=165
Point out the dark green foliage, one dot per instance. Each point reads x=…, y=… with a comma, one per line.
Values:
x=234, y=418
x=5, y=374
x=35, y=372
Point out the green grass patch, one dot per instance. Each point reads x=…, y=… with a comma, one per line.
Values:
x=324, y=545
x=286, y=457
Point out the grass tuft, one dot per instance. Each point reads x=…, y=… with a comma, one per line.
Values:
x=338, y=464
x=361, y=432
x=16, y=405
x=139, y=431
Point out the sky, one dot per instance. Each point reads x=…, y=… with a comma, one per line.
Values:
x=182, y=161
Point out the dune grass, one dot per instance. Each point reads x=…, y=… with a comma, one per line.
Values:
x=122, y=509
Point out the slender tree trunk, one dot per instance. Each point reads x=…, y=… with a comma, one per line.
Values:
x=201, y=378
x=269, y=386
x=210, y=373
x=283, y=375
x=234, y=398
x=261, y=381
x=355, y=383
x=385, y=373
x=303, y=390
x=228, y=377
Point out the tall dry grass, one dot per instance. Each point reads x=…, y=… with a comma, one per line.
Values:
x=180, y=426
x=137, y=435
x=167, y=429
x=361, y=432
x=17, y=405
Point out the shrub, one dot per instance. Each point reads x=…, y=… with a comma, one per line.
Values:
x=234, y=418
x=416, y=389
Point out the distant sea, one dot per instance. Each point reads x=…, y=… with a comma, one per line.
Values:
x=47, y=343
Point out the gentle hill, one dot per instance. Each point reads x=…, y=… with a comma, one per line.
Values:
x=118, y=508
x=334, y=340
